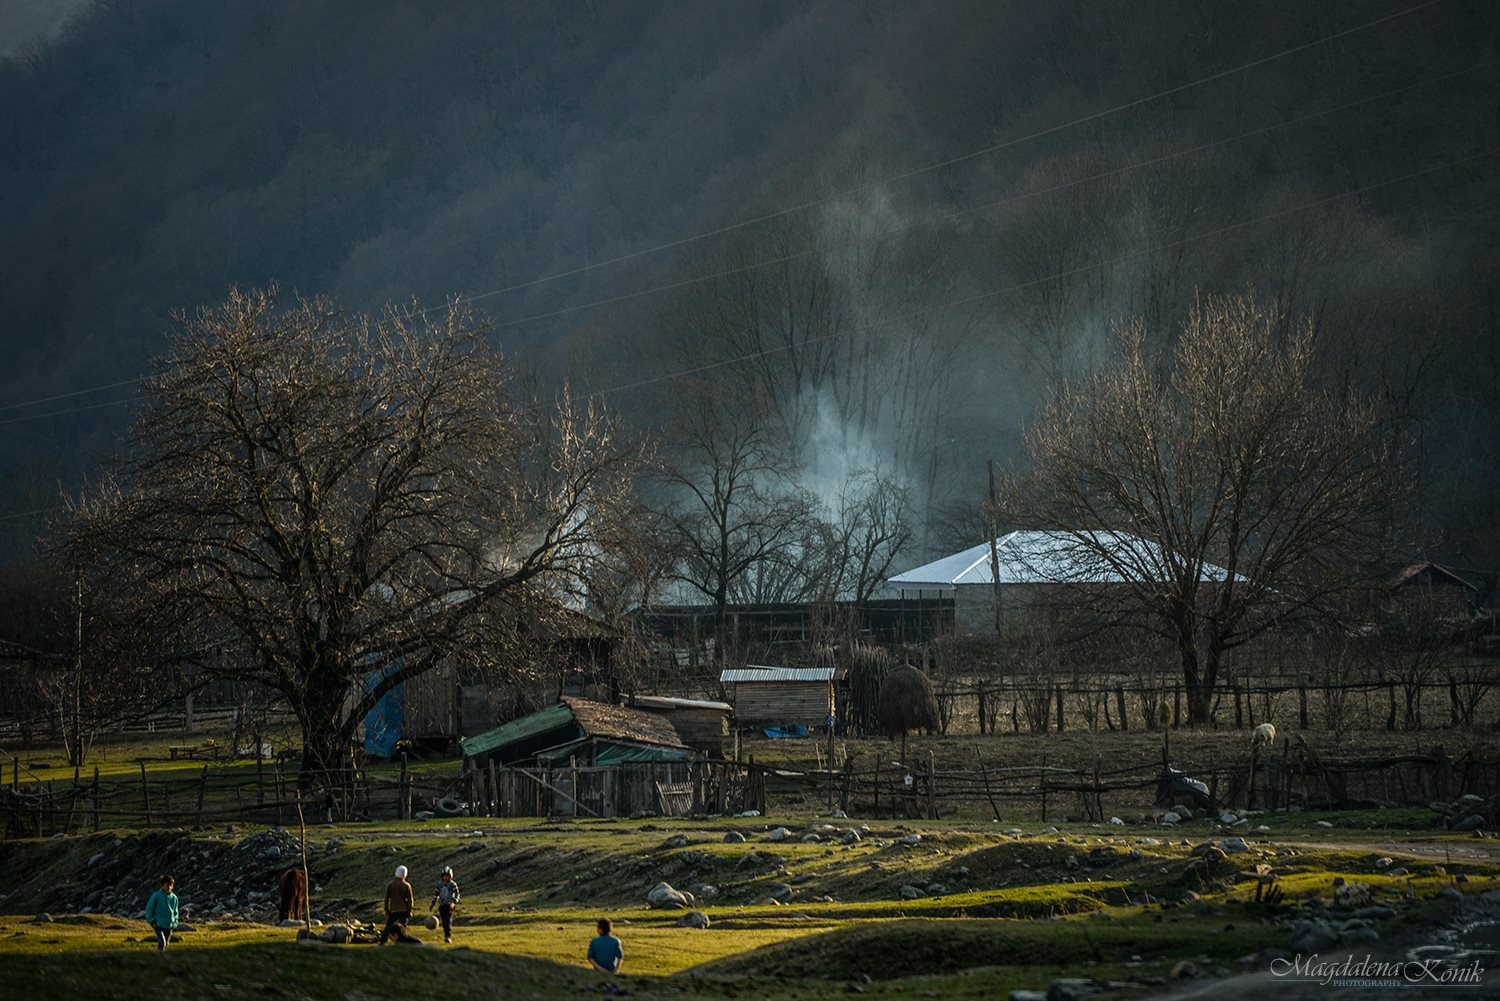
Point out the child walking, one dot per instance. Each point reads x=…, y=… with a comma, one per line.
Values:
x=161, y=912
x=445, y=899
x=605, y=952
x=398, y=907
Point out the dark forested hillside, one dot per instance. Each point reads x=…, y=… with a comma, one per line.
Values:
x=1102, y=160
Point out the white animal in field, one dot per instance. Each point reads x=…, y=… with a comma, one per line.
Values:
x=1264, y=736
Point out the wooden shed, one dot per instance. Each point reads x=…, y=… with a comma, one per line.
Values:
x=702, y=725
x=785, y=696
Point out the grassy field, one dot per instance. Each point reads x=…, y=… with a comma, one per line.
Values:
x=994, y=911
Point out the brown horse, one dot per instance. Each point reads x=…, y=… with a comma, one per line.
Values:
x=293, y=887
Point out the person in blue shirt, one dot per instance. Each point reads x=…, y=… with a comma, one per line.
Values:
x=605, y=952
x=161, y=912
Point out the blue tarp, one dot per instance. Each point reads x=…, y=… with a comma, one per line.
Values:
x=386, y=722
x=785, y=731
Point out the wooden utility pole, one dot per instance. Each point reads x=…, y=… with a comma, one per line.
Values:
x=994, y=531
x=306, y=882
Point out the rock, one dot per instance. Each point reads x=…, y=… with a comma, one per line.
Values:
x=95, y=857
x=937, y=890
x=693, y=919
x=337, y=934
x=909, y=892
x=734, y=838
x=1323, y=823
x=1314, y=936
x=849, y=837
x=1228, y=818
x=781, y=892
x=289, y=923
x=960, y=872
x=778, y=834
x=1449, y=893
x=810, y=839
x=1182, y=811
x=706, y=891
x=1019, y=995
x=43, y=918
x=1171, y=817
x=677, y=841
x=1352, y=895
x=840, y=815
x=1383, y=862
x=749, y=813
x=1472, y=822
x=1072, y=989
x=1362, y=934
x=1234, y=846
x=909, y=840
x=476, y=846
x=663, y=897
x=1183, y=970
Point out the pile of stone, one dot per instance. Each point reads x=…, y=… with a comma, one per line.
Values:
x=1469, y=813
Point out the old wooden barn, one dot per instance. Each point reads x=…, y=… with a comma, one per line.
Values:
x=582, y=758
x=702, y=725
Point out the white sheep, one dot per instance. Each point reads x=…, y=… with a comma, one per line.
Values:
x=1264, y=736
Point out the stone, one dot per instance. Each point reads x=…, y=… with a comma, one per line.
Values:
x=1020, y=995
x=43, y=918
x=734, y=838
x=1117, y=822
x=749, y=813
x=706, y=891
x=1351, y=896
x=476, y=846
x=1449, y=893
x=289, y=923
x=1228, y=818
x=1234, y=846
x=937, y=890
x=849, y=837
x=663, y=897
x=1472, y=822
x=1171, y=817
x=810, y=839
x=1362, y=934
x=1323, y=823
x=1072, y=989
x=909, y=892
x=95, y=857
x=1314, y=936
x=337, y=934
x=781, y=892
x=1182, y=811
x=1183, y=970
x=778, y=834
x=1384, y=862
x=909, y=840
x=677, y=841
x=693, y=919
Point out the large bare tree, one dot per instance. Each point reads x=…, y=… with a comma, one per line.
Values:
x=348, y=500
x=1224, y=451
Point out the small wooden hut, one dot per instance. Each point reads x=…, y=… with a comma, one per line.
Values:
x=782, y=696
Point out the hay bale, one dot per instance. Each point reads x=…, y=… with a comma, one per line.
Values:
x=907, y=702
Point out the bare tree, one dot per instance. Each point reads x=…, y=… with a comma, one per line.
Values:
x=732, y=514
x=871, y=529
x=1225, y=452
x=350, y=500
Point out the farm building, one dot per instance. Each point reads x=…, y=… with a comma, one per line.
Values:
x=784, y=696
x=701, y=725
x=1030, y=564
x=583, y=758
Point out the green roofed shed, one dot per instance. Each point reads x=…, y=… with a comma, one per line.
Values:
x=587, y=731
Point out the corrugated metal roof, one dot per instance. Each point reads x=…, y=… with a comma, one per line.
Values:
x=670, y=702
x=1052, y=557
x=517, y=730
x=754, y=672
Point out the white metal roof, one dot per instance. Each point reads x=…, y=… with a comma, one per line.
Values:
x=755, y=672
x=671, y=702
x=1051, y=557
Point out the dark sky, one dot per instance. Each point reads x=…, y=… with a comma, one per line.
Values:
x=155, y=152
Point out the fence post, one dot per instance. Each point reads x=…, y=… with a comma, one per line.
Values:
x=72, y=803
x=145, y=793
x=202, y=790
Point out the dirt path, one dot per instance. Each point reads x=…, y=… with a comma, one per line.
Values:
x=1471, y=849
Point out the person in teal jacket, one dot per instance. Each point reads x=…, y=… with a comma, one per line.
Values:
x=161, y=912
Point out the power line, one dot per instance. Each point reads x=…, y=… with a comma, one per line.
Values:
x=727, y=272
x=980, y=297
x=951, y=161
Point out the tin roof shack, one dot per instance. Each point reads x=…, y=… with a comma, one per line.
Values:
x=703, y=726
x=583, y=758
x=782, y=696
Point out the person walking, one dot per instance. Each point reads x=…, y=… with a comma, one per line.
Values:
x=161, y=912
x=445, y=899
x=605, y=952
x=399, y=903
